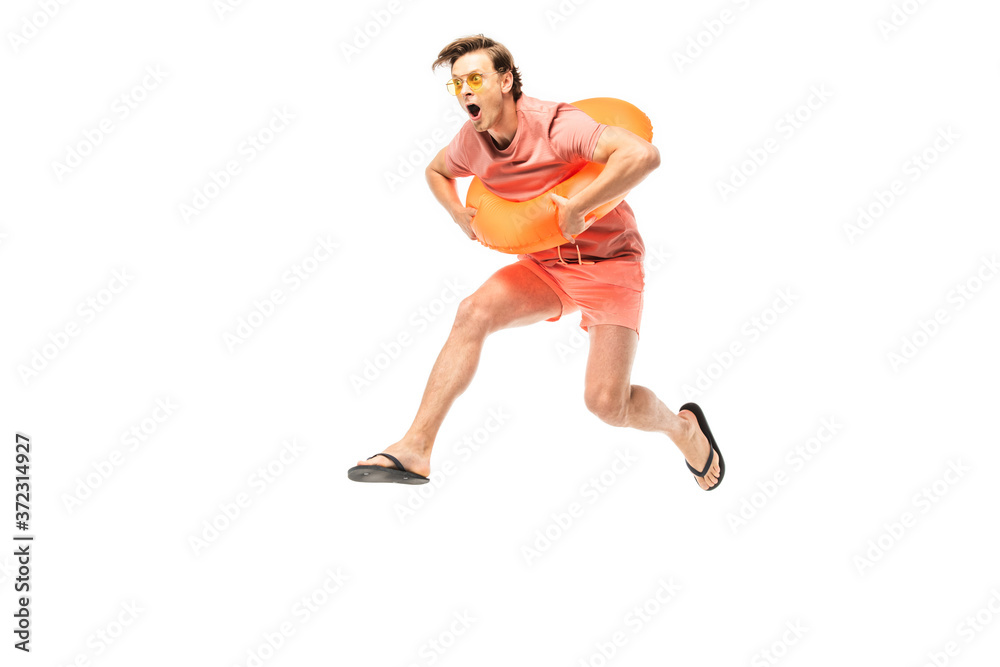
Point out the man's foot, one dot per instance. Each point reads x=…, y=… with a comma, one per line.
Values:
x=415, y=457
x=695, y=448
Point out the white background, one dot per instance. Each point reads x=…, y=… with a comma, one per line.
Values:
x=794, y=559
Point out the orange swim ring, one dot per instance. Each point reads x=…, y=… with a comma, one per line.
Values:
x=532, y=225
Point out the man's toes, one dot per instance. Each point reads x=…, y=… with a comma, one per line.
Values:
x=710, y=479
x=374, y=461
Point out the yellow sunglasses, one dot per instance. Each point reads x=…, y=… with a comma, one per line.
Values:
x=475, y=81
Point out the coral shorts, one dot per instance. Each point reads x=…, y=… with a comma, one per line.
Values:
x=605, y=292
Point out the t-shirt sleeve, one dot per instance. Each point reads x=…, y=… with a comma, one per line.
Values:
x=456, y=157
x=574, y=134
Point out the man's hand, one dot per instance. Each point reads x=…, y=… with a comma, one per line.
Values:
x=442, y=183
x=462, y=215
x=571, y=220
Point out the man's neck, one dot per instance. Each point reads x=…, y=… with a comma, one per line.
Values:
x=503, y=135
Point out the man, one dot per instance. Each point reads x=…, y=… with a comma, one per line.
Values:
x=520, y=146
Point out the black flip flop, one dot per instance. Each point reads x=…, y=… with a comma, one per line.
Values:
x=400, y=475
x=703, y=424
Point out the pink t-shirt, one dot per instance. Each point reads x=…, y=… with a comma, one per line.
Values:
x=553, y=141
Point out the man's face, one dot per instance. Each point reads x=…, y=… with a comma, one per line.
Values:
x=484, y=105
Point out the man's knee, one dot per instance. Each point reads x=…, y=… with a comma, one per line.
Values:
x=608, y=404
x=474, y=315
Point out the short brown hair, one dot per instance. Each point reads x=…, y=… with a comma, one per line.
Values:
x=503, y=61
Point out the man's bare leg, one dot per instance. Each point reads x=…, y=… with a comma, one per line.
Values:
x=511, y=297
x=610, y=395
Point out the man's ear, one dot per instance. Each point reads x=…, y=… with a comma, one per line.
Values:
x=506, y=87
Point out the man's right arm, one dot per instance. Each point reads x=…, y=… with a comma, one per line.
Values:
x=442, y=183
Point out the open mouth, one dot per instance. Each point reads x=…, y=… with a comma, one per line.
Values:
x=474, y=111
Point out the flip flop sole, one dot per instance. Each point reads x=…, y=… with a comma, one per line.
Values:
x=695, y=409
x=382, y=474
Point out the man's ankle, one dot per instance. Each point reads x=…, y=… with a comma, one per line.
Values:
x=419, y=441
x=681, y=431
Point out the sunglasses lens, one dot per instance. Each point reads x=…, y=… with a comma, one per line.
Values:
x=476, y=81
x=453, y=86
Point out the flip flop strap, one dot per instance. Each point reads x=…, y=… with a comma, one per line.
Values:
x=708, y=464
x=391, y=458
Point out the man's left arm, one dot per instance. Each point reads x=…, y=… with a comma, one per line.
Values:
x=628, y=159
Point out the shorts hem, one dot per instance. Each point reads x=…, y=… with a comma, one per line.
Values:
x=536, y=268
